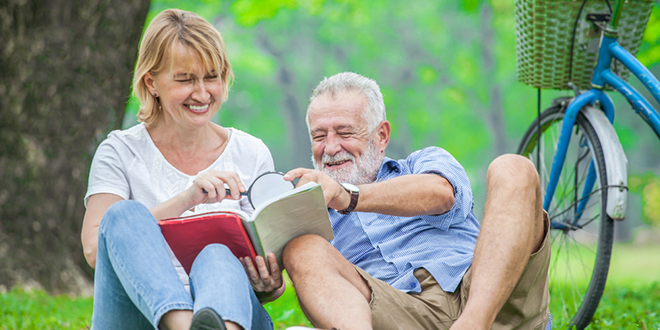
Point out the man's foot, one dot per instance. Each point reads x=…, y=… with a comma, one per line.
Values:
x=207, y=319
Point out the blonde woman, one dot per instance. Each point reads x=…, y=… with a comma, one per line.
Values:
x=175, y=162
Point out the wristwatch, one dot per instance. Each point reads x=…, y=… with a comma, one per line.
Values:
x=355, y=193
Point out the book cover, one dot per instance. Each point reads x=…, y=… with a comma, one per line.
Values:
x=270, y=227
x=187, y=236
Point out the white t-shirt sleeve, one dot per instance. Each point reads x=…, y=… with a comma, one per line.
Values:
x=263, y=163
x=108, y=174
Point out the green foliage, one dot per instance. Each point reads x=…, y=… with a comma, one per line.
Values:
x=447, y=70
x=648, y=186
x=649, y=52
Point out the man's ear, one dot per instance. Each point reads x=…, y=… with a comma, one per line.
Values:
x=383, y=131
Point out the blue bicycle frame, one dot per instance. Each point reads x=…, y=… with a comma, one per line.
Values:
x=609, y=49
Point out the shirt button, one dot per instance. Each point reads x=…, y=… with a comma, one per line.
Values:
x=412, y=285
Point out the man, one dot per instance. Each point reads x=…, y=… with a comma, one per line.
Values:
x=408, y=252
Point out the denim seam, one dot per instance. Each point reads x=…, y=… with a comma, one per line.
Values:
x=169, y=307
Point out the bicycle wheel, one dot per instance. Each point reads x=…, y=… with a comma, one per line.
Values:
x=581, y=241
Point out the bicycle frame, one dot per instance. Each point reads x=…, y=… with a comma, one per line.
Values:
x=609, y=49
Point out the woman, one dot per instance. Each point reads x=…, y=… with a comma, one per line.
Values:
x=175, y=162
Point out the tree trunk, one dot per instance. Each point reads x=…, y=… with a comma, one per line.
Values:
x=495, y=111
x=65, y=78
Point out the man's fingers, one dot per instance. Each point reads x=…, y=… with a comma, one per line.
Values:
x=295, y=173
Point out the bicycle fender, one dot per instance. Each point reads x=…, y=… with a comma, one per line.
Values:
x=616, y=162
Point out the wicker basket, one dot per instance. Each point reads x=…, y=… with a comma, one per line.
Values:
x=544, y=29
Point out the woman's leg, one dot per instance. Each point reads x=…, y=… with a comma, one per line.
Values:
x=218, y=280
x=134, y=282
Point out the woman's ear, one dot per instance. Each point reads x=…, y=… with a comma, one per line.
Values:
x=149, y=81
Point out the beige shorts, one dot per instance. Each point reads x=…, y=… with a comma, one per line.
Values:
x=433, y=308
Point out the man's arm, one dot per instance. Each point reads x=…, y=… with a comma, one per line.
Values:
x=406, y=195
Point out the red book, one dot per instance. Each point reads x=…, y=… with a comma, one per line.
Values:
x=268, y=229
x=187, y=236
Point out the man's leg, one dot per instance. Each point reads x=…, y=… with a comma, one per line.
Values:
x=330, y=291
x=511, y=230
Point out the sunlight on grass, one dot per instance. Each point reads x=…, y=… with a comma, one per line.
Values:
x=632, y=294
x=631, y=300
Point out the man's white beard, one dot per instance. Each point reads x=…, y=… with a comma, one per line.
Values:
x=364, y=172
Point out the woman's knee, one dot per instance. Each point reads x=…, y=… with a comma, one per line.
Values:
x=220, y=255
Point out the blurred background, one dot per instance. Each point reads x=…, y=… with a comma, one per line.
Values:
x=447, y=70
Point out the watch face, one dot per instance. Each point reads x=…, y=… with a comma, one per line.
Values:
x=350, y=187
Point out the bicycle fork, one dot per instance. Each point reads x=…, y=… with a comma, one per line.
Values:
x=615, y=159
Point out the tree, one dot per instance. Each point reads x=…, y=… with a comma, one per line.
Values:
x=65, y=79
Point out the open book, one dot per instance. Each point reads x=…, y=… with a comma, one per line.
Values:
x=273, y=224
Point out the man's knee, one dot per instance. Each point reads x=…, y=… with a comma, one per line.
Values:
x=304, y=249
x=513, y=169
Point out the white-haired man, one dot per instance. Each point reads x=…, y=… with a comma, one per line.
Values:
x=408, y=251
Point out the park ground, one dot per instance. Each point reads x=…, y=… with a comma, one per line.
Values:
x=631, y=300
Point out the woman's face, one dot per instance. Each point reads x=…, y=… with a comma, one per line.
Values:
x=189, y=95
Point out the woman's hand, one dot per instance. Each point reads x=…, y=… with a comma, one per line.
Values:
x=267, y=285
x=209, y=187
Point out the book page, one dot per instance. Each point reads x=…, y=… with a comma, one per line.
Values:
x=302, y=212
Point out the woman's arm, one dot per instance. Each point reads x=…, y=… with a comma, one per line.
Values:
x=96, y=207
x=208, y=188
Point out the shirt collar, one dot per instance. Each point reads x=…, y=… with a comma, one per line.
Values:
x=388, y=166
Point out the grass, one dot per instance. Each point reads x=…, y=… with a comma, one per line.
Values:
x=631, y=300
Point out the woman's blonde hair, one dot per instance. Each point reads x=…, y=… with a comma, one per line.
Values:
x=190, y=30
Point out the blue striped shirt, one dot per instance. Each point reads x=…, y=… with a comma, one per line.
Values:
x=391, y=248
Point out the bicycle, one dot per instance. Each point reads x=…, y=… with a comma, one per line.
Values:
x=582, y=166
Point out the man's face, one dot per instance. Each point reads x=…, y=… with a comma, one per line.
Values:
x=342, y=146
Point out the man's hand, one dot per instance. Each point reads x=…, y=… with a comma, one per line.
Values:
x=268, y=285
x=335, y=195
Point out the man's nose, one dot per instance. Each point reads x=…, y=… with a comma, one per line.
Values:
x=332, y=144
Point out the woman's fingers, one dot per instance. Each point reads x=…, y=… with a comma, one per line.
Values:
x=251, y=271
x=231, y=180
x=261, y=279
x=274, y=268
x=214, y=184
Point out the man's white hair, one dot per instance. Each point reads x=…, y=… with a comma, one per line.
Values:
x=353, y=82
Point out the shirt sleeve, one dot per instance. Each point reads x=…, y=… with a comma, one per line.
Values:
x=108, y=173
x=438, y=161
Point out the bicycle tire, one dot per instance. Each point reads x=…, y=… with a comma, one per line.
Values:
x=569, y=245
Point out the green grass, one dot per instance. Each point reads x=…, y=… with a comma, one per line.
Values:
x=631, y=300
x=37, y=310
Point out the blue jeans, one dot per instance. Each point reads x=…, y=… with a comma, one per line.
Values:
x=135, y=283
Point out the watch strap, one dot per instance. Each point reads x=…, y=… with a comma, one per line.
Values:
x=354, y=200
